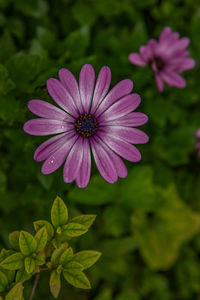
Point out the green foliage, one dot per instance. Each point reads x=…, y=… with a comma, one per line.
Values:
x=150, y=247
x=40, y=252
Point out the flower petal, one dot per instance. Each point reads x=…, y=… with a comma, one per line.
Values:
x=101, y=88
x=48, y=147
x=42, y=126
x=121, y=89
x=73, y=161
x=46, y=110
x=121, y=147
x=103, y=161
x=121, y=108
x=86, y=86
x=58, y=157
x=61, y=96
x=131, y=119
x=173, y=79
x=70, y=83
x=136, y=59
x=130, y=135
x=117, y=161
x=83, y=177
x=159, y=83
x=165, y=34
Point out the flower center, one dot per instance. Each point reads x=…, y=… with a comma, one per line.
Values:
x=86, y=125
x=159, y=63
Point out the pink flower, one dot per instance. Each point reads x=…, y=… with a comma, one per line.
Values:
x=90, y=119
x=197, y=147
x=168, y=57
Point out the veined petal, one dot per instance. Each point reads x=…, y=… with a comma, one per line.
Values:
x=61, y=96
x=101, y=88
x=121, y=89
x=42, y=126
x=86, y=86
x=121, y=107
x=70, y=83
x=132, y=119
x=48, y=147
x=73, y=161
x=130, y=135
x=103, y=161
x=173, y=79
x=117, y=161
x=83, y=177
x=121, y=147
x=58, y=157
x=46, y=110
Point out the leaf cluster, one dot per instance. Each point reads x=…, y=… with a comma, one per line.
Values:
x=47, y=250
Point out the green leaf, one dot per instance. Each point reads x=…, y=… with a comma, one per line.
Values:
x=55, y=283
x=59, y=213
x=87, y=258
x=14, y=240
x=29, y=264
x=6, y=85
x=57, y=253
x=78, y=280
x=41, y=239
x=13, y=262
x=22, y=276
x=27, y=243
x=86, y=220
x=16, y=293
x=3, y=282
x=73, y=229
x=66, y=256
x=41, y=223
x=39, y=261
x=73, y=267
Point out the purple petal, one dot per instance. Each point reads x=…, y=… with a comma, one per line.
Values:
x=47, y=110
x=50, y=146
x=42, y=127
x=58, y=157
x=132, y=119
x=159, y=83
x=103, y=162
x=73, y=161
x=173, y=79
x=182, y=64
x=101, y=88
x=86, y=86
x=70, y=83
x=198, y=134
x=118, y=164
x=136, y=59
x=145, y=53
x=165, y=34
x=130, y=135
x=61, y=96
x=121, y=89
x=121, y=108
x=83, y=177
x=121, y=147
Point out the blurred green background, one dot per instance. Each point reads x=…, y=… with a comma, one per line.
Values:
x=148, y=225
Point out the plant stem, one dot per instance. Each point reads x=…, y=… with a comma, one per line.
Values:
x=37, y=277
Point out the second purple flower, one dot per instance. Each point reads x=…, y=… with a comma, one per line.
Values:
x=168, y=57
x=89, y=119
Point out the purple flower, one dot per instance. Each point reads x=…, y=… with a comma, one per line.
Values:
x=168, y=57
x=90, y=119
x=197, y=147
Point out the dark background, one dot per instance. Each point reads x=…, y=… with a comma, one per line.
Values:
x=148, y=225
